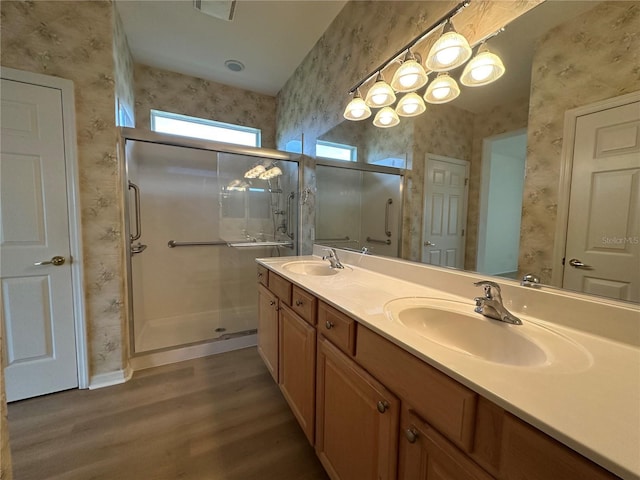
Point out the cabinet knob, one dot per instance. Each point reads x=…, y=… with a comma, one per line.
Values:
x=298, y=303
x=328, y=324
x=272, y=303
x=412, y=434
x=259, y=274
x=383, y=405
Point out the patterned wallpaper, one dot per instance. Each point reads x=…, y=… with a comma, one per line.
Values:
x=564, y=76
x=123, y=72
x=73, y=40
x=173, y=92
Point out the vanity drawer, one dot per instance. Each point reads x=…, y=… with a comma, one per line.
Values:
x=281, y=287
x=304, y=304
x=337, y=327
x=263, y=275
x=444, y=403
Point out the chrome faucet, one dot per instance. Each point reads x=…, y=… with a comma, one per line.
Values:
x=491, y=304
x=333, y=258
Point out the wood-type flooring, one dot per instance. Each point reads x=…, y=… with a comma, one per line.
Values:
x=216, y=418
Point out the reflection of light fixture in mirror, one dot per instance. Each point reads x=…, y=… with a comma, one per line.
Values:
x=380, y=94
x=410, y=105
x=484, y=68
x=237, y=185
x=357, y=109
x=450, y=51
x=385, y=118
x=255, y=172
x=410, y=76
x=442, y=90
x=271, y=173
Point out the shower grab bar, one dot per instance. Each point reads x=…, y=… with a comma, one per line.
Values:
x=289, y=214
x=373, y=240
x=136, y=196
x=173, y=243
x=386, y=218
x=341, y=239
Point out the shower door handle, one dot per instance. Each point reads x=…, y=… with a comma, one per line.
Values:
x=386, y=217
x=290, y=214
x=136, y=197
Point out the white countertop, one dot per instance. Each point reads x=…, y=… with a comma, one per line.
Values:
x=592, y=405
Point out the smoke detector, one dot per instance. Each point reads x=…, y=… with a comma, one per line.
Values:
x=222, y=9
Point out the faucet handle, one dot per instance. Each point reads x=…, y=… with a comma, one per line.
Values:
x=332, y=253
x=489, y=287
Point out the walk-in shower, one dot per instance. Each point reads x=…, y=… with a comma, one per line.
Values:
x=199, y=214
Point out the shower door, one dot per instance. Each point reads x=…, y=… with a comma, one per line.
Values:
x=199, y=219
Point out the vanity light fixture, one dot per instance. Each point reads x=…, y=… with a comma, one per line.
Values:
x=410, y=76
x=484, y=68
x=270, y=173
x=357, y=109
x=410, y=105
x=255, y=172
x=450, y=51
x=442, y=90
x=380, y=94
x=386, y=118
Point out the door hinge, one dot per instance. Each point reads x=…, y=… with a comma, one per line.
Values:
x=463, y=232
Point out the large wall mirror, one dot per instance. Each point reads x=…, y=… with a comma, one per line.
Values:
x=521, y=201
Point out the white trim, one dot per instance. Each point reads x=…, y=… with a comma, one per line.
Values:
x=110, y=378
x=66, y=88
x=155, y=359
x=566, y=167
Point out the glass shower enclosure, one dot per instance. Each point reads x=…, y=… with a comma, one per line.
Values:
x=199, y=214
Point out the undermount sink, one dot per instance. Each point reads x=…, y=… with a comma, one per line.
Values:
x=455, y=326
x=311, y=267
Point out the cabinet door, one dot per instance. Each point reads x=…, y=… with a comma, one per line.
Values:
x=298, y=368
x=427, y=455
x=356, y=419
x=268, y=329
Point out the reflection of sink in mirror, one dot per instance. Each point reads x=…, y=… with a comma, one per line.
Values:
x=454, y=325
x=312, y=268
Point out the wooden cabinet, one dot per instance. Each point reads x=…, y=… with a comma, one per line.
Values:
x=268, y=329
x=427, y=455
x=297, y=368
x=356, y=419
x=304, y=304
x=337, y=327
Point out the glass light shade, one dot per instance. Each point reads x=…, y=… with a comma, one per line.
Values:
x=442, y=90
x=272, y=172
x=410, y=105
x=484, y=68
x=357, y=109
x=255, y=172
x=409, y=77
x=380, y=94
x=450, y=51
x=385, y=118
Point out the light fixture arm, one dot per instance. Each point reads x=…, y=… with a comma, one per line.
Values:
x=445, y=18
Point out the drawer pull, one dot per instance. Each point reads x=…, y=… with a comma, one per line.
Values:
x=383, y=405
x=272, y=303
x=329, y=325
x=412, y=434
x=298, y=303
x=259, y=274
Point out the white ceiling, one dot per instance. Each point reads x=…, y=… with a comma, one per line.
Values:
x=271, y=38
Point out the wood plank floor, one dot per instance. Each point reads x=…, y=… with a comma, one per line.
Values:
x=220, y=418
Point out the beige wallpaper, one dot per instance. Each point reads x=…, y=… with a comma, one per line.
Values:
x=73, y=40
x=592, y=58
x=123, y=72
x=173, y=92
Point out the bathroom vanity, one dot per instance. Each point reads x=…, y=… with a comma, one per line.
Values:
x=380, y=396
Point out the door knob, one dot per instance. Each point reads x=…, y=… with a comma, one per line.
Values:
x=55, y=261
x=574, y=262
x=429, y=244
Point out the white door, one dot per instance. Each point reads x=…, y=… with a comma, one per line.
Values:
x=602, y=255
x=445, y=211
x=37, y=302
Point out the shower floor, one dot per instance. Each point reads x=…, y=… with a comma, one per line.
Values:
x=187, y=329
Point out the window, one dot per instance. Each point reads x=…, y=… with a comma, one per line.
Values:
x=175, y=124
x=336, y=151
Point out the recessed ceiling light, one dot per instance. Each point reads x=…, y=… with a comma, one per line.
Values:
x=234, y=65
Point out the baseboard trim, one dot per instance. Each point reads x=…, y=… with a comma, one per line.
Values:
x=157, y=359
x=111, y=378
